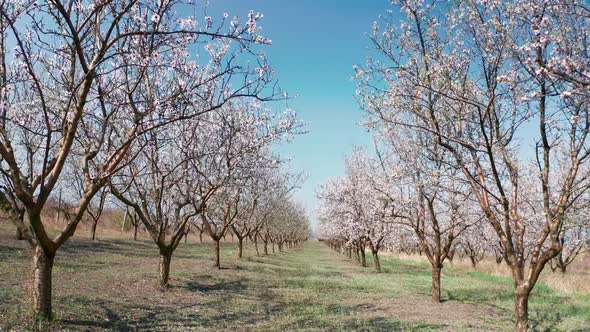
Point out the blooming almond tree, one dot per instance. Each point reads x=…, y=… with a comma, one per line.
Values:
x=82, y=80
x=362, y=209
x=233, y=149
x=437, y=203
x=268, y=186
x=157, y=185
x=474, y=74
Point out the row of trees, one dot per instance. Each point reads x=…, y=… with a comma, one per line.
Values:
x=167, y=112
x=481, y=116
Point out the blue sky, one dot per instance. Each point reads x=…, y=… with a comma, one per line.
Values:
x=315, y=45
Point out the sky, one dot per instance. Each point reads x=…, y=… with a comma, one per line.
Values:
x=315, y=45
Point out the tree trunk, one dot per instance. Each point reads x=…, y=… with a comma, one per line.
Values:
x=185, y=237
x=266, y=248
x=376, y=262
x=201, y=237
x=42, y=269
x=273, y=247
x=256, y=246
x=473, y=261
x=240, y=247
x=19, y=234
x=521, y=304
x=94, y=224
x=135, y=227
x=217, y=265
x=165, y=258
x=436, y=284
x=363, y=257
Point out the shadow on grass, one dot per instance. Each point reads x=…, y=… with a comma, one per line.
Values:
x=234, y=286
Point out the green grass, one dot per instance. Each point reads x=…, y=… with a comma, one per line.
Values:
x=549, y=309
x=111, y=285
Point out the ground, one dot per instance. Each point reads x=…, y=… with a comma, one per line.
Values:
x=111, y=285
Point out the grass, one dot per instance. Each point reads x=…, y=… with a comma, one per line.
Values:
x=111, y=285
x=549, y=309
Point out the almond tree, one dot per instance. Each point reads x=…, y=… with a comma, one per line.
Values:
x=364, y=207
x=574, y=236
x=76, y=190
x=236, y=146
x=82, y=80
x=95, y=211
x=157, y=185
x=268, y=188
x=290, y=226
x=474, y=74
x=437, y=203
x=474, y=245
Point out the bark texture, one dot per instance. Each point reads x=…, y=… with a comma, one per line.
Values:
x=42, y=270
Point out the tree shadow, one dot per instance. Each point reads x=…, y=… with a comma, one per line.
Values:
x=222, y=286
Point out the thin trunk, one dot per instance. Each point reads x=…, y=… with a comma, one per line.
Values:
x=217, y=264
x=201, y=237
x=135, y=227
x=42, y=269
x=240, y=247
x=124, y=221
x=165, y=258
x=266, y=248
x=363, y=257
x=376, y=262
x=273, y=247
x=94, y=224
x=521, y=304
x=256, y=246
x=185, y=237
x=436, y=284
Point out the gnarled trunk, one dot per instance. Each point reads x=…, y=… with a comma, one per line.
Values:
x=42, y=270
x=165, y=259
x=521, y=306
x=266, y=247
x=436, y=284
